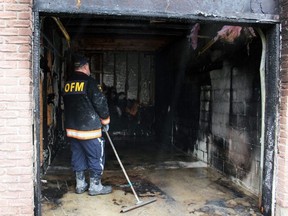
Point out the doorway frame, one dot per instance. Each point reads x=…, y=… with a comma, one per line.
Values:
x=272, y=68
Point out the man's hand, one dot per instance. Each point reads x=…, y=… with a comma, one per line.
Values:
x=105, y=128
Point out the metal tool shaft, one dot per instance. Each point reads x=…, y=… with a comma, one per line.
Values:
x=123, y=169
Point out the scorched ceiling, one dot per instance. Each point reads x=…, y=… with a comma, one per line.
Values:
x=96, y=34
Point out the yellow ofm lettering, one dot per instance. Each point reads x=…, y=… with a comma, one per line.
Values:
x=69, y=87
x=72, y=86
x=79, y=86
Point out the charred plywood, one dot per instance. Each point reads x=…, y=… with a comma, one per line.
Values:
x=51, y=74
x=113, y=43
x=131, y=74
x=127, y=79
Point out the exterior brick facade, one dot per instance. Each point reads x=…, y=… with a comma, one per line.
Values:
x=282, y=156
x=282, y=148
x=16, y=148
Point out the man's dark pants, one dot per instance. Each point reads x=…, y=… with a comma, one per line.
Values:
x=88, y=154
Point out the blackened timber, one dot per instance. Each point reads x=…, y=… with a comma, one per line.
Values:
x=272, y=90
x=118, y=23
x=104, y=31
x=36, y=114
x=262, y=11
x=115, y=44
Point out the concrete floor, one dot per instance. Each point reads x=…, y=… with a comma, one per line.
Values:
x=181, y=185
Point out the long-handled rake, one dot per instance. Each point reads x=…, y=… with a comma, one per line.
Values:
x=139, y=202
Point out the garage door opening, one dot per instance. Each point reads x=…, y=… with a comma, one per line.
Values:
x=181, y=94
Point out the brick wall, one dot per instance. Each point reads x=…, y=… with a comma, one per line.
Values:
x=282, y=151
x=16, y=149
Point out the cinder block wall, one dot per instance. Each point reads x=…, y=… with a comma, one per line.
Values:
x=204, y=134
x=234, y=148
x=16, y=148
x=282, y=151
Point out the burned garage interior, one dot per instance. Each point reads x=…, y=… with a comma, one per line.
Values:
x=183, y=95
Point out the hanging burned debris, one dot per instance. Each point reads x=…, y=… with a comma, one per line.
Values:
x=227, y=34
x=193, y=37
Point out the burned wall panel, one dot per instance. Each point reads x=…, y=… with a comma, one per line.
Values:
x=96, y=67
x=177, y=97
x=130, y=73
x=235, y=121
x=146, y=78
x=127, y=78
x=120, y=72
x=108, y=68
x=187, y=115
x=133, y=76
x=163, y=92
x=204, y=132
x=52, y=76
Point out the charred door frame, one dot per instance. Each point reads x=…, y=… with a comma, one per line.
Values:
x=36, y=113
x=272, y=77
x=271, y=118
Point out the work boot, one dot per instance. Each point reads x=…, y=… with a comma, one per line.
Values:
x=96, y=188
x=81, y=185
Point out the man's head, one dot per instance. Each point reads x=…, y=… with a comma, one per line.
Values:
x=81, y=63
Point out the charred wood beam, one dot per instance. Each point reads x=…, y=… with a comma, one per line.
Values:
x=260, y=11
x=36, y=115
x=272, y=103
x=122, y=44
x=123, y=31
x=51, y=44
x=73, y=22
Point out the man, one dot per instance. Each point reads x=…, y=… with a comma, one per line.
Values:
x=86, y=115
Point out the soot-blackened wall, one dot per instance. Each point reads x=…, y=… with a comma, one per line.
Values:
x=127, y=79
x=213, y=113
x=229, y=135
x=176, y=96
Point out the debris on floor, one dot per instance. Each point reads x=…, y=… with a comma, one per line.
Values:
x=189, y=191
x=181, y=185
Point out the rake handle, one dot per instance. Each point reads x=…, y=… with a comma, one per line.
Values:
x=123, y=169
